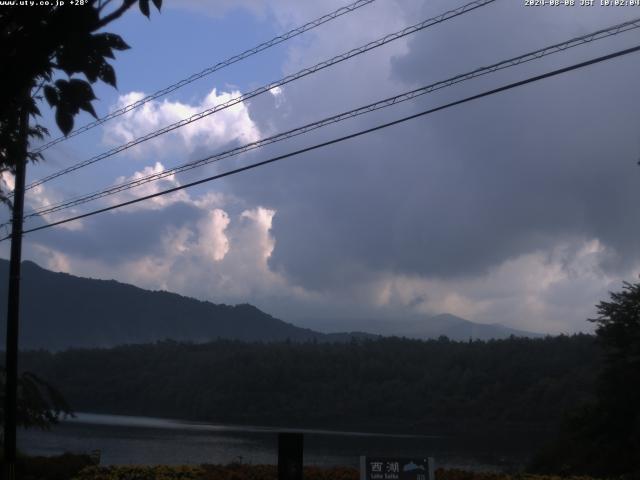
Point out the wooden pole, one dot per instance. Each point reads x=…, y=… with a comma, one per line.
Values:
x=290, y=452
x=13, y=309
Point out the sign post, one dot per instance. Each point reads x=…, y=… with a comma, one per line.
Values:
x=396, y=468
x=290, y=451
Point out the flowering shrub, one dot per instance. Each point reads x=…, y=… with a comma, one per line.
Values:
x=161, y=472
x=270, y=472
x=454, y=474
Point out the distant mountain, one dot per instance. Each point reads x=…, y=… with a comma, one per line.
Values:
x=59, y=311
x=456, y=328
x=451, y=326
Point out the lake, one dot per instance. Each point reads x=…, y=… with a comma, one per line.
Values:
x=125, y=440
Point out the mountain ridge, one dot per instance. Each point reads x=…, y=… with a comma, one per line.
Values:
x=60, y=311
x=121, y=313
x=419, y=327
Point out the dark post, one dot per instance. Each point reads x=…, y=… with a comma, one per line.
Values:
x=13, y=310
x=290, y=447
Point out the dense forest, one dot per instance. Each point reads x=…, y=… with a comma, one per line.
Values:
x=390, y=383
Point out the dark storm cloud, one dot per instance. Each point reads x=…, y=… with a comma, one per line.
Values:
x=116, y=238
x=466, y=189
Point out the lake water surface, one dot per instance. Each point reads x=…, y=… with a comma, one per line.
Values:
x=143, y=440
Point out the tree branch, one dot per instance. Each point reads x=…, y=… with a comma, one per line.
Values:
x=103, y=4
x=126, y=5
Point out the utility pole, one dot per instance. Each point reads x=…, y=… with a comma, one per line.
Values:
x=13, y=310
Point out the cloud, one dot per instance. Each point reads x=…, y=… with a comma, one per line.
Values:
x=212, y=238
x=518, y=208
x=549, y=291
x=458, y=196
x=8, y=181
x=149, y=188
x=226, y=126
x=207, y=245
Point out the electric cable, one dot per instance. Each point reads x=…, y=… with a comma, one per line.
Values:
x=278, y=83
x=387, y=102
x=209, y=70
x=343, y=138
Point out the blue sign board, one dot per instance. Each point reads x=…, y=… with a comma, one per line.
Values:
x=396, y=468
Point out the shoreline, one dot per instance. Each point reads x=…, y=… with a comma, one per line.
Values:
x=436, y=429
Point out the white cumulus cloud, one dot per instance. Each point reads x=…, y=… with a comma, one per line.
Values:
x=232, y=124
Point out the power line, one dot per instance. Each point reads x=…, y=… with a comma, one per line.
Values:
x=209, y=70
x=343, y=138
x=388, y=102
x=290, y=78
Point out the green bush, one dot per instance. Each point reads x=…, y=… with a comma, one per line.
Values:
x=61, y=467
x=270, y=472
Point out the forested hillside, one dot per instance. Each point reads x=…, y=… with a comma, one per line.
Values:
x=61, y=310
x=391, y=383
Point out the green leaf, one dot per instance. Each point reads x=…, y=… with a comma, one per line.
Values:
x=105, y=43
x=86, y=53
x=115, y=41
x=35, y=111
x=38, y=131
x=108, y=75
x=32, y=108
x=144, y=7
x=74, y=95
x=74, y=58
x=92, y=68
x=64, y=119
x=79, y=91
x=87, y=107
x=33, y=157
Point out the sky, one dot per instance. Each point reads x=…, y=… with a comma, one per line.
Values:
x=519, y=208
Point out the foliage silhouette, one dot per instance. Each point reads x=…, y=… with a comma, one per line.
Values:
x=39, y=403
x=40, y=45
x=603, y=438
